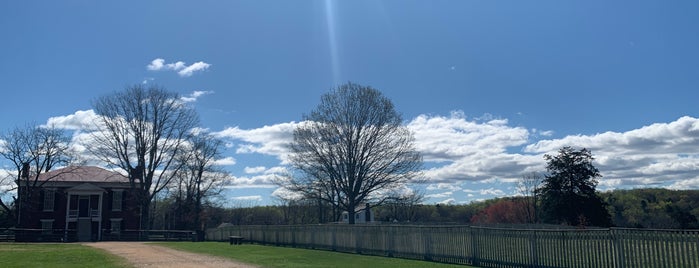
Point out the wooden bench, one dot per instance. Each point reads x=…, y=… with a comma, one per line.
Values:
x=234, y=239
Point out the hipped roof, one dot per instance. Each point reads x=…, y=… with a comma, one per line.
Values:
x=82, y=174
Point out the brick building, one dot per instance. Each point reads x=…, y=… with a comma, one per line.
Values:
x=78, y=203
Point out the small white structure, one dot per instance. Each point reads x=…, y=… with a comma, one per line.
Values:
x=362, y=214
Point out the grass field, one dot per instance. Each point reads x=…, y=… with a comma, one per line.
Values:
x=269, y=256
x=55, y=255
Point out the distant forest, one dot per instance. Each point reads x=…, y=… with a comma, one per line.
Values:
x=638, y=208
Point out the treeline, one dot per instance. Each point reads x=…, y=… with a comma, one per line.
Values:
x=638, y=208
x=654, y=208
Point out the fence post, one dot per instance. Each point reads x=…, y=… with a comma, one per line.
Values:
x=533, y=256
x=474, y=247
x=427, y=240
x=389, y=237
x=333, y=234
x=617, y=247
x=357, y=245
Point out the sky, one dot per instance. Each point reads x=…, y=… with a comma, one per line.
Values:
x=487, y=87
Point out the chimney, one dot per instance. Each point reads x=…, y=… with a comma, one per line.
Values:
x=24, y=174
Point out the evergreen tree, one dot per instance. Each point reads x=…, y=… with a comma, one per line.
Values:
x=568, y=195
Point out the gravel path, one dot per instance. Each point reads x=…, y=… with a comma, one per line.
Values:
x=141, y=254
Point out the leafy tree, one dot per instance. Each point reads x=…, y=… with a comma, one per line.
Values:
x=352, y=148
x=142, y=131
x=568, y=194
x=504, y=211
x=654, y=208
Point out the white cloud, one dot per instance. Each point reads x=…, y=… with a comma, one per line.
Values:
x=147, y=80
x=449, y=201
x=80, y=120
x=192, y=97
x=443, y=186
x=255, y=170
x=285, y=194
x=197, y=66
x=247, y=198
x=492, y=191
x=261, y=178
x=440, y=195
x=658, y=155
x=226, y=161
x=451, y=138
x=180, y=67
x=692, y=183
x=269, y=140
x=156, y=64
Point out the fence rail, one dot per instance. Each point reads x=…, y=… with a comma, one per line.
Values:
x=70, y=235
x=487, y=247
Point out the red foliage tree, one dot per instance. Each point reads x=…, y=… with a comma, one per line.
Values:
x=506, y=211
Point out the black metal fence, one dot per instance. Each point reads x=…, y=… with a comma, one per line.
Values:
x=70, y=235
x=488, y=247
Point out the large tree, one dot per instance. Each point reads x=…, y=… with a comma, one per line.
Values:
x=528, y=186
x=32, y=150
x=142, y=131
x=568, y=194
x=352, y=148
x=198, y=180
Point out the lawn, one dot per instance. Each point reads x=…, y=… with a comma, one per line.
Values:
x=55, y=255
x=270, y=256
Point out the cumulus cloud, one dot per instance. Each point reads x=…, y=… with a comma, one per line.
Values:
x=255, y=170
x=492, y=191
x=258, y=177
x=443, y=186
x=285, y=194
x=80, y=120
x=226, y=161
x=269, y=140
x=180, y=67
x=658, y=155
x=471, y=150
x=441, y=138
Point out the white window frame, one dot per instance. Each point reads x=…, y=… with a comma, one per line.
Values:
x=117, y=199
x=116, y=222
x=49, y=199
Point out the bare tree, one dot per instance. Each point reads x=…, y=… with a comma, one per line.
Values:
x=198, y=179
x=351, y=148
x=32, y=150
x=528, y=186
x=401, y=206
x=142, y=131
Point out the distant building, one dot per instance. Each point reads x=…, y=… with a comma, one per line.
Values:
x=362, y=214
x=78, y=203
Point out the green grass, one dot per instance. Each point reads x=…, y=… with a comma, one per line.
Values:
x=270, y=256
x=55, y=255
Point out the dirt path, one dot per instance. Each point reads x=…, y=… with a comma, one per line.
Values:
x=141, y=254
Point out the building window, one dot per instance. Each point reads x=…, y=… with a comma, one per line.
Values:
x=116, y=225
x=49, y=197
x=47, y=226
x=117, y=199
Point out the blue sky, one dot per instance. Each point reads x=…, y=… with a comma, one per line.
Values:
x=488, y=87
